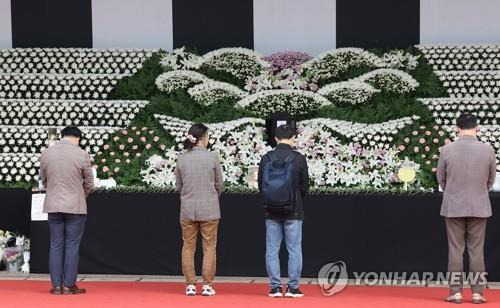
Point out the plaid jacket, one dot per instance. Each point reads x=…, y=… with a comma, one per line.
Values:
x=199, y=181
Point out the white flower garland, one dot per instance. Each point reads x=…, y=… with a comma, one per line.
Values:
x=398, y=59
x=73, y=60
x=181, y=79
x=295, y=102
x=390, y=80
x=19, y=167
x=57, y=86
x=179, y=59
x=212, y=92
x=446, y=110
x=337, y=61
x=242, y=63
x=348, y=92
x=378, y=135
x=33, y=139
x=471, y=83
x=69, y=112
x=462, y=57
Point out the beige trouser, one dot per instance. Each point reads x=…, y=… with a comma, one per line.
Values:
x=462, y=231
x=190, y=230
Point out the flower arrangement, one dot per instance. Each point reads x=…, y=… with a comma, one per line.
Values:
x=296, y=102
x=446, y=110
x=348, y=92
x=179, y=59
x=212, y=92
x=380, y=135
x=471, y=83
x=73, y=60
x=181, y=79
x=33, y=139
x=390, y=80
x=57, y=86
x=241, y=63
x=19, y=167
x=462, y=57
x=12, y=251
x=65, y=112
x=398, y=59
x=332, y=64
x=286, y=79
x=286, y=60
x=423, y=144
x=125, y=148
x=333, y=164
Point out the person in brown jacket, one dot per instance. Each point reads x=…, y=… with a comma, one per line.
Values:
x=199, y=182
x=466, y=172
x=66, y=174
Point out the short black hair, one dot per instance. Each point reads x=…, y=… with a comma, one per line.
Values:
x=72, y=131
x=467, y=121
x=285, y=131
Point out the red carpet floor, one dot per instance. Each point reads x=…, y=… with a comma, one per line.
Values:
x=18, y=294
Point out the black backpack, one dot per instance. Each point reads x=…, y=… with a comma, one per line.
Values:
x=277, y=184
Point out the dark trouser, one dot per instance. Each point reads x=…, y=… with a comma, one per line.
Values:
x=66, y=232
x=462, y=231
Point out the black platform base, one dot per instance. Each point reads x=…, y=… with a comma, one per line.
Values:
x=131, y=233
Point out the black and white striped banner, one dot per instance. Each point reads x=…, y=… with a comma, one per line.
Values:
x=267, y=26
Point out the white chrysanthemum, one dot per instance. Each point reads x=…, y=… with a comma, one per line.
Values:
x=174, y=80
x=390, y=80
x=350, y=92
x=212, y=92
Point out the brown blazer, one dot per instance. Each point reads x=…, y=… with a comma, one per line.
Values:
x=66, y=174
x=466, y=171
x=199, y=182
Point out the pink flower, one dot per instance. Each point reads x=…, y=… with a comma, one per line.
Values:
x=103, y=160
x=407, y=140
x=416, y=149
x=134, y=147
x=143, y=139
x=118, y=161
x=434, y=170
x=447, y=141
x=436, y=140
x=402, y=147
x=124, y=132
x=144, y=128
x=130, y=140
x=105, y=169
x=414, y=133
x=422, y=140
x=122, y=146
x=106, y=147
x=427, y=148
x=156, y=139
x=117, y=169
x=163, y=147
x=428, y=133
x=148, y=146
x=151, y=132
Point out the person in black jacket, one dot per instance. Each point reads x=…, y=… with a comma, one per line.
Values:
x=288, y=225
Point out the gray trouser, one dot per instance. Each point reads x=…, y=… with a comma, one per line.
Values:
x=66, y=232
x=462, y=231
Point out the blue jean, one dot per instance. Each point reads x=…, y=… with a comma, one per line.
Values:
x=292, y=229
x=66, y=232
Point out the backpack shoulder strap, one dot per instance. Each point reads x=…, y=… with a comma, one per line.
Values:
x=272, y=156
x=291, y=157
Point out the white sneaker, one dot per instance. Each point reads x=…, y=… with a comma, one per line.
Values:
x=478, y=299
x=207, y=290
x=454, y=298
x=190, y=290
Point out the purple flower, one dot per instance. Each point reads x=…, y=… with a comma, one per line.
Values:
x=286, y=60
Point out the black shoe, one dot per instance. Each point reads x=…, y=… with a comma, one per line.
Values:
x=276, y=292
x=293, y=293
